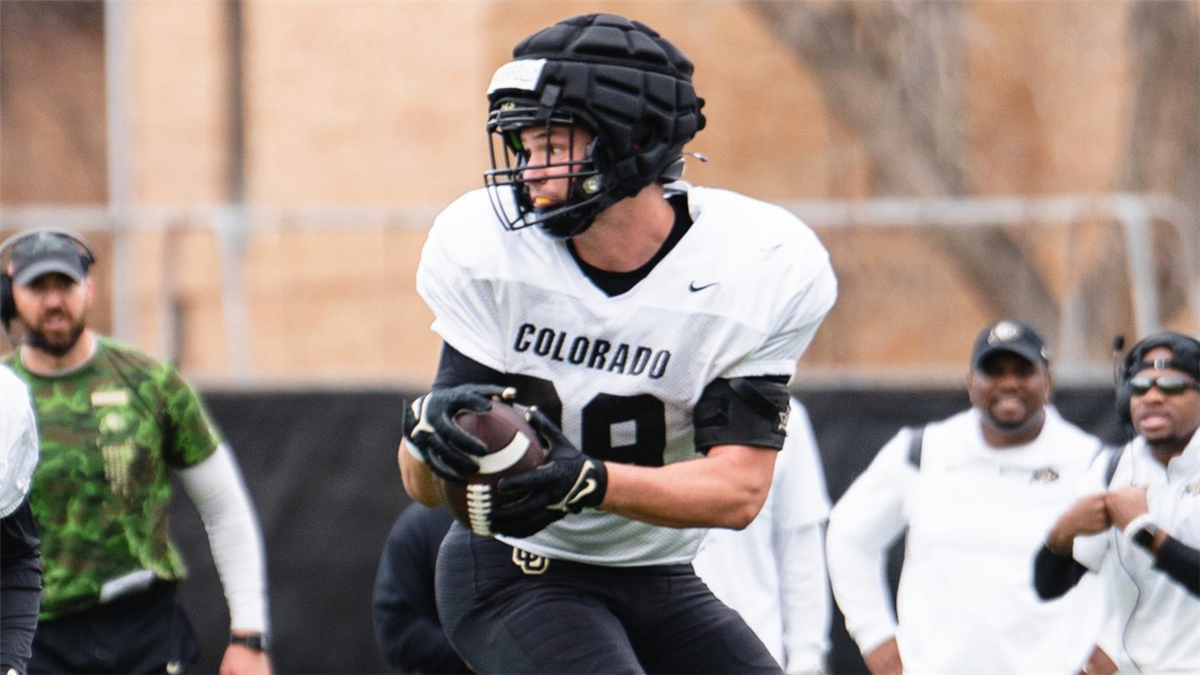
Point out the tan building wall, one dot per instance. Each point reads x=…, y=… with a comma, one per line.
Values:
x=362, y=118
x=52, y=130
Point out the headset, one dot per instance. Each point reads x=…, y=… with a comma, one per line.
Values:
x=1185, y=356
x=8, y=305
x=1123, y=395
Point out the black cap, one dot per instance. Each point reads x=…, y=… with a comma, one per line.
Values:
x=1017, y=337
x=46, y=252
x=1185, y=354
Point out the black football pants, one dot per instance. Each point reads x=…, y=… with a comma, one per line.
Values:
x=518, y=613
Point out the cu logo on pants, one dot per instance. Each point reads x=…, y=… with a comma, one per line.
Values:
x=530, y=563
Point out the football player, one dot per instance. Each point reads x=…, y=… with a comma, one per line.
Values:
x=653, y=326
x=20, y=557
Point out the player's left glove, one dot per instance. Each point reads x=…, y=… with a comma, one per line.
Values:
x=568, y=482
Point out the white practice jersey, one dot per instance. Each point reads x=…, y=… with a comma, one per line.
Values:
x=18, y=441
x=741, y=294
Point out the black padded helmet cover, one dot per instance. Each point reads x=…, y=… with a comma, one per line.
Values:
x=620, y=79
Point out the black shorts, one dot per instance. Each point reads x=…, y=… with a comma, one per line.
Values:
x=143, y=633
x=509, y=612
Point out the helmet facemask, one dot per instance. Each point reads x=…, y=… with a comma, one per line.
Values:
x=519, y=171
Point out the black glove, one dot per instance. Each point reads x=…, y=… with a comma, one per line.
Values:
x=568, y=482
x=429, y=426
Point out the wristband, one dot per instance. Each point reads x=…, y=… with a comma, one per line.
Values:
x=1141, y=531
x=256, y=642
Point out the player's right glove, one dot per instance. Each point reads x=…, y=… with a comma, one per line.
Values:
x=433, y=436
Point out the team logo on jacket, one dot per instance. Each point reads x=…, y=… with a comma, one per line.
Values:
x=1046, y=475
x=1192, y=489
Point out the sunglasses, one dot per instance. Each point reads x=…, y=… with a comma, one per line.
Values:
x=1171, y=385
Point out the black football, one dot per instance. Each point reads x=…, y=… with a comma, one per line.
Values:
x=512, y=447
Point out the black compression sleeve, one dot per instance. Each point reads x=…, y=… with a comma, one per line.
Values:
x=455, y=368
x=1054, y=575
x=1181, y=562
x=742, y=411
x=20, y=586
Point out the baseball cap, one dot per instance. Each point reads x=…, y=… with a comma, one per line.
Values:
x=1185, y=354
x=1017, y=337
x=44, y=253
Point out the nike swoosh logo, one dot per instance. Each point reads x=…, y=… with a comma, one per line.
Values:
x=693, y=287
x=589, y=487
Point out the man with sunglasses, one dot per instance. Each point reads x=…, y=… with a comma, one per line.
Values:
x=1143, y=532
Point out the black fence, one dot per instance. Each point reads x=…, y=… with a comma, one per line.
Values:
x=321, y=468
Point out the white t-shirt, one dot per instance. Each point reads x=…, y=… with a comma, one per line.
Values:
x=1158, y=619
x=18, y=441
x=976, y=517
x=773, y=572
x=741, y=294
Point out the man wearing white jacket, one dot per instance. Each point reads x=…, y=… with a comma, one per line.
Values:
x=977, y=493
x=1137, y=523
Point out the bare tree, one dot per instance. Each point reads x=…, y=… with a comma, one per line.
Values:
x=892, y=72
x=52, y=124
x=1163, y=145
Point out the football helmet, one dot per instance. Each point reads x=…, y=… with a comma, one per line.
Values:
x=629, y=88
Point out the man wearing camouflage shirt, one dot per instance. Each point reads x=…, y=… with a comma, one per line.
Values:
x=114, y=424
